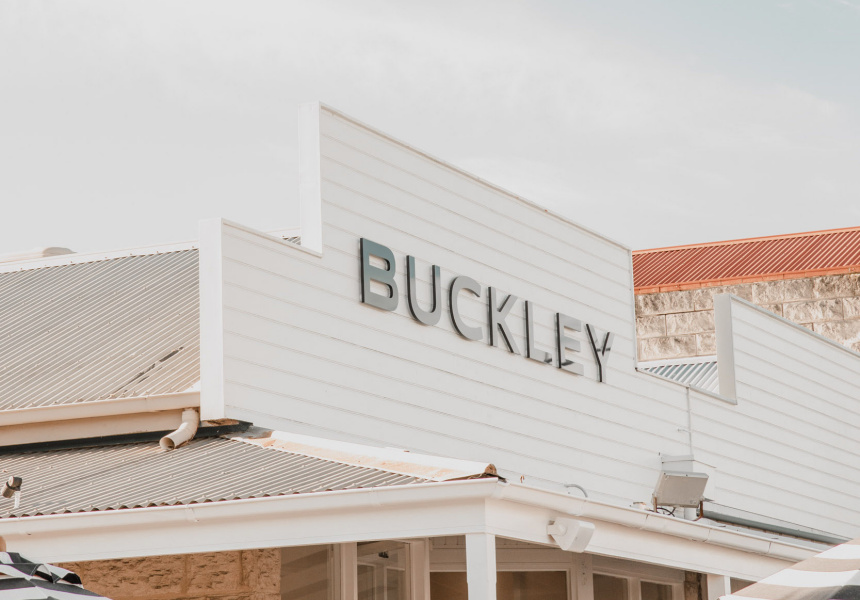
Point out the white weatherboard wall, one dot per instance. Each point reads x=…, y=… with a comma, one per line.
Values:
x=303, y=354
x=789, y=449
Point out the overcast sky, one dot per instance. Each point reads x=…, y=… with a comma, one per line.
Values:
x=656, y=123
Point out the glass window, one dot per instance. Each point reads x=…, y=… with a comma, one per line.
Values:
x=448, y=586
x=609, y=588
x=510, y=585
x=531, y=585
x=383, y=571
x=306, y=573
x=656, y=591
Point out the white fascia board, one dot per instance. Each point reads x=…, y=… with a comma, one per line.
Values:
x=420, y=510
x=100, y=408
x=654, y=522
x=397, y=512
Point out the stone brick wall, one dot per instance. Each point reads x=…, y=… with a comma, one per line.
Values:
x=681, y=324
x=242, y=575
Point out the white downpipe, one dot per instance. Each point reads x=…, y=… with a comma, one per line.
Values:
x=186, y=431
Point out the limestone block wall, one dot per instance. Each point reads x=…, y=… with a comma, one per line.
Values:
x=241, y=575
x=681, y=323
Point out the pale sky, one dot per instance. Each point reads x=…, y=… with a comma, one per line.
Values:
x=656, y=123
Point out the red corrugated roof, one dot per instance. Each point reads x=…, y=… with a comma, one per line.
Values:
x=830, y=252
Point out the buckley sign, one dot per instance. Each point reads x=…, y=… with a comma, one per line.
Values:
x=498, y=310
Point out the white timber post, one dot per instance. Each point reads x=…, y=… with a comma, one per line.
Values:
x=346, y=571
x=481, y=566
x=718, y=585
x=419, y=569
x=582, y=583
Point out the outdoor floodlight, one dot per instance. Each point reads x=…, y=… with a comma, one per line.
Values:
x=680, y=488
x=570, y=534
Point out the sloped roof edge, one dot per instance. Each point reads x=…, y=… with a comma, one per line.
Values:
x=788, y=256
x=424, y=466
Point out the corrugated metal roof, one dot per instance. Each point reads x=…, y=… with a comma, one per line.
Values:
x=88, y=331
x=830, y=252
x=204, y=470
x=697, y=373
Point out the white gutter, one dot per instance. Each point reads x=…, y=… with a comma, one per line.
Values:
x=654, y=522
x=100, y=408
x=356, y=502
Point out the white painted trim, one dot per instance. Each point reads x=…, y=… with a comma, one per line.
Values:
x=100, y=408
x=310, y=176
x=398, y=512
x=632, y=320
x=471, y=176
x=725, y=345
x=211, y=264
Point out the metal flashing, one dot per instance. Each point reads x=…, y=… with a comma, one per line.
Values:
x=431, y=468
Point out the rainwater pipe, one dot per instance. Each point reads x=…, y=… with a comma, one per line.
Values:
x=185, y=431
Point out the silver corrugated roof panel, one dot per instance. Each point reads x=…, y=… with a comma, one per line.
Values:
x=112, y=328
x=701, y=374
x=204, y=470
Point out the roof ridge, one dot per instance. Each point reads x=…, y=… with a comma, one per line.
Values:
x=783, y=236
x=66, y=260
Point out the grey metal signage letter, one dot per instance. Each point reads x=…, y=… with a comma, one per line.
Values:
x=532, y=351
x=422, y=316
x=563, y=322
x=497, y=319
x=457, y=285
x=384, y=276
x=601, y=354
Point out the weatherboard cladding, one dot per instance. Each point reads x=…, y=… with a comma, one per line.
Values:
x=795, y=255
x=112, y=328
x=205, y=470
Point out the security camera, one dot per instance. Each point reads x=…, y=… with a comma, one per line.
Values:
x=11, y=486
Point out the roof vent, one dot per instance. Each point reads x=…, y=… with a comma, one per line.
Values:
x=33, y=254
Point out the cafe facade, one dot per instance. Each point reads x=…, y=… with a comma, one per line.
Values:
x=429, y=387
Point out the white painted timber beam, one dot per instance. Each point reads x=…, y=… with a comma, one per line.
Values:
x=481, y=566
x=483, y=506
x=718, y=585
